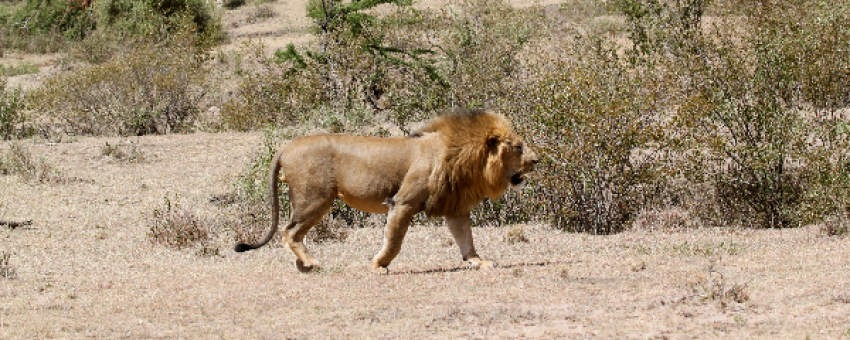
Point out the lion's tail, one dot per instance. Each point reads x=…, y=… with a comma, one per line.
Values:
x=274, y=178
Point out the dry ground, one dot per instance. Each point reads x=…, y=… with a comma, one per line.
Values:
x=85, y=268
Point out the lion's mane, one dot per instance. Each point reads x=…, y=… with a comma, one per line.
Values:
x=469, y=170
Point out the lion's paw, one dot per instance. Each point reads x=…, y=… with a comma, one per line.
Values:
x=380, y=270
x=306, y=267
x=481, y=264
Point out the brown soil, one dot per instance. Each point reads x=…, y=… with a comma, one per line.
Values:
x=86, y=268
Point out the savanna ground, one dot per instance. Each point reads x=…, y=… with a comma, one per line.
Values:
x=87, y=266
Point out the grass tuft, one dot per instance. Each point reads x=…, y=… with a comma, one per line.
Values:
x=516, y=234
x=835, y=226
x=7, y=271
x=124, y=152
x=176, y=227
x=20, y=162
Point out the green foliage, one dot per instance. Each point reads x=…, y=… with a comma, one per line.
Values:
x=664, y=27
x=36, y=17
x=233, y=4
x=757, y=113
x=593, y=120
x=48, y=25
x=481, y=48
x=154, y=88
x=157, y=17
x=43, y=25
x=12, y=117
x=270, y=95
x=358, y=61
x=19, y=69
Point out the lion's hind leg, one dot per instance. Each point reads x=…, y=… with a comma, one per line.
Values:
x=299, y=224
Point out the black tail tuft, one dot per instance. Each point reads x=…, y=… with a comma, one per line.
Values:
x=242, y=247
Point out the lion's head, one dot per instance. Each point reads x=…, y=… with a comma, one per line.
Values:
x=483, y=156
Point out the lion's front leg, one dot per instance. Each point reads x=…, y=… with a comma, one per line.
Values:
x=397, y=222
x=462, y=232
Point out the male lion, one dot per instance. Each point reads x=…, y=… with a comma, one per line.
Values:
x=444, y=169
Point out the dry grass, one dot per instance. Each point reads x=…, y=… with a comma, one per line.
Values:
x=86, y=268
x=7, y=270
x=19, y=161
x=123, y=152
x=516, y=234
x=836, y=226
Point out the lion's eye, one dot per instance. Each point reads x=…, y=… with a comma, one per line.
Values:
x=519, y=148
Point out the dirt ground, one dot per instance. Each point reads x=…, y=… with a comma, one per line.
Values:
x=85, y=268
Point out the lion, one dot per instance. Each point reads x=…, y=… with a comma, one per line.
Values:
x=444, y=169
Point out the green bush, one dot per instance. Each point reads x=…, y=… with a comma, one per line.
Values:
x=45, y=20
x=49, y=25
x=12, y=117
x=157, y=17
x=153, y=88
x=481, y=45
x=756, y=115
x=594, y=122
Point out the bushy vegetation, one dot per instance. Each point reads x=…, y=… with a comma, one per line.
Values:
x=49, y=25
x=40, y=25
x=177, y=227
x=728, y=111
x=19, y=161
x=12, y=112
x=153, y=88
x=758, y=101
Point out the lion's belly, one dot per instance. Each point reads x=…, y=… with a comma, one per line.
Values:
x=367, y=205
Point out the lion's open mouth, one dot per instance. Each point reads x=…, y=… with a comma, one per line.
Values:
x=517, y=178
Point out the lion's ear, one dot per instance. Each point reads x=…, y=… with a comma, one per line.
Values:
x=492, y=143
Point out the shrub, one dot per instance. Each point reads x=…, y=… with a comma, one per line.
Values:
x=176, y=227
x=19, y=161
x=159, y=17
x=753, y=115
x=836, y=225
x=16, y=70
x=124, y=152
x=12, y=117
x=481, y=48
x=267, y=95
x=516, y=234
x=72, y=18
x=233, y=4
x=594, y=121
x=42, y=25
x=153, y=88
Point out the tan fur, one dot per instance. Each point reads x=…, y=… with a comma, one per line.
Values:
x=444, y=169
x=467, y=173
